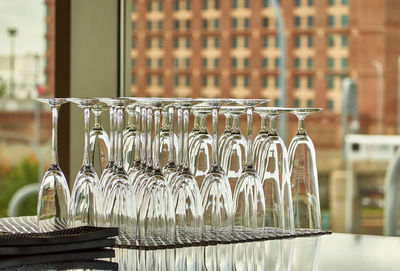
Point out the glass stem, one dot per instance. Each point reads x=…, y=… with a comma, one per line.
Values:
x=228, y=123
x=180, y=135
x=149, y=137
x=264, y=124
x=196, y=124
x=157, y=152
x=171, y=154
x=272, y=125
x=249, y=158
x=301, y=125
x=137, y=135
x=111, y=150
x=185, y=151
x=86, y=156
x=144, y=129
x=120, y=127
x=235, y=124
x=97, y=120
x=203, y=124
x=215, y=137
x=54, y=138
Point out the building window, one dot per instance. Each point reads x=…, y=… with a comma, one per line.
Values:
x=176, y=24
x=149, y=79
x=277, y=83
x=216, y=4
x=331, y=2
x=277, y=42
x=277, y=62
x=310, y=3
x=149, y=62
x=265, y=82
x=310, y=21
x=246, y=81
x=176, y=80
x=160, y=80
x=149, y=25
x=234, y=81
x=266, y=3
x=246, y=3
x=216, y=81
x=188, y=43
x=205, y=42
x=246, y=62
x=176, y=4
x=277, y=102
x=205, y=24
x=344, y=63
x=205, y=81
x=265, y=42
x=331, y=41
x=297, y=82
x=234, y=3
x=160, y=43
x=205, y=62
x=297, y=62
x=310, y=103
x=331, y=20
x=345, y=2
x=133, y=45
x=297, y=3
x=133, y=62
x=297, y=41
x=187, y=62
x=234, y=42
x=188, y=24
x=345, y=21
x=345, y=41
x=246, y=42
x=235, y=23
x=205, y=4
x=160, y=25
x=133, y=80
x=234, y=62
x=216, y=63
x=310, y=41
x=188, y=5
x=331, y=63
x=246, y=23
x=149, y=6
x=331, y=105
x=265, y=22
x=216, y=23
x=265, y=62
x=310, y=82
x=187, y=80
x=310, y=63
x=176, y=43
x=133, y=25
x=297, y=21
x=331, y=82
x=134, y=7
x=296, y=103
x=160, y=62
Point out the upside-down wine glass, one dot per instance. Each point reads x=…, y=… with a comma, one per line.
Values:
x=86, y=206
x=54, y=197
x=120, y=203
x=227, y=131
x=136, y=164
x=303, y=175
x=167, y=150
x=260, y=139
x=128, y=137
x=170, y=167
x=99, y=141
x=156, y=214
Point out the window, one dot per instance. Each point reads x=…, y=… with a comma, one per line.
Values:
x=331, y=82
x=331, y=63
x=310, y=3
x=205, y=24
x=133, y=25
x=277, y=84
x=246, y=81
x=331, y=20
x=176, y=43
x=296, y=103
x=160, y=25
x=188, y=24
x=277, y=102
x=216, y=4
x=149, y=62
x=235, y=23
x=133, y=6
x=234, y=3
x=149, y=79
x=331, y=105
x=216, y=42
x=265, y=82
x=310, y=41
x=160, y=6
x=133, y=43
x=160, y=62
x=188, y=42
x=234, y=81
x=149, y=6
x=188, y=4
x=297, y=21
x=149, y=43
x=234, y=42
x=246, y=42
x=345, y=41
x=265, y=42
x=265, y=62
x=345, y=20
x=133, y=80
x=297, y=3
x=187, y=62
x=149, y=25
x=216, y=62
x=176, y=80
x=310, y=103
x=205, y=81
x=297, y=62
x=265, y=22
x=277, y=42
x=160, y=43
x=205, y=62
x=176, y=4
x=205, y=4
x=246, y=23
x=310, y=82
x=133, y=62
x=246, y=3
x=310, y=63
x=216, y=23
x=344, y=63
x=160, y=80
x=310, y=21
x=331, y=41
x=345, y=2
x=216, y=81
x=297, y=82
x=331, y=2
x=205, y=42
x=246, y=62
x=277, y=62
x=176, y=24
x=297, y=41
x=234, y=62
x=187, y=80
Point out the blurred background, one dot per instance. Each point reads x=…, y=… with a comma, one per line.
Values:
x=341, y=55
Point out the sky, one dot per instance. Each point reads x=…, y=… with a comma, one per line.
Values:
x=28, y=16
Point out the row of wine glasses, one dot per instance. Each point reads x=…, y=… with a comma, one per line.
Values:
x=166, y=183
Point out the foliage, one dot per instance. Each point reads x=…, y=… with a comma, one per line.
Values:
x=24, y=173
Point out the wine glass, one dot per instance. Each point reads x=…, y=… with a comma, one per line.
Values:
x=86, y=206
x=120, y=203
x=227, y=131
x=200, y=147
x=128, y=137
x=156, y=214
x=234, y=148
x=215, y=190
x=54, y=197
x=248, y=198
x=303, y=175
x=136, y=163
x=99, y=141
x=170, y=167
x=260, y=140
